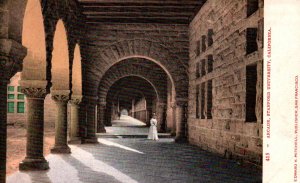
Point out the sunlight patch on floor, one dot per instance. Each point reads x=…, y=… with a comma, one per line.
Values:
x=99, y=166
x=109, y=143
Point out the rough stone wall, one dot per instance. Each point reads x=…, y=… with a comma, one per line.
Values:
x=226, y=131
x=106, y=44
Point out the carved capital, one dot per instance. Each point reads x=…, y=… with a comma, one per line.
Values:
x=75, y=101
x=161, y=105
x=181, y=102
x=12, y=54
x=7, y=67
x=31, y=92
x=60, y=95
x=60, y=98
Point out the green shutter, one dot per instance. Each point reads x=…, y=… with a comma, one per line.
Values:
x=21, y=107
x=11, y=88
x=11, y=96
x=10, y=107
x=21, y=96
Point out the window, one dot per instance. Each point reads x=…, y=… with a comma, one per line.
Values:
x=202, y=100
x=11, y=96
x=21, y=96
x=209, y=99
x=11, y=88
x=197, y=70
x=19, y=89
x=203, y=70
x=209, y=37
x=252, y=6
x=197, y=101
x=203, y=46
x=197, y=51
x=251, y=80
x=10, y=107
x=251, y=45
x=210, y=62
x=21, y=107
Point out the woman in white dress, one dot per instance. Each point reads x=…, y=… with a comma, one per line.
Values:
x=153, y=128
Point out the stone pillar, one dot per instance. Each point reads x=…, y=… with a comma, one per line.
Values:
x=174, y=121
x=91, y=103
x=4, y=79
x=34, y=159
x=12, y=54
x=82, y=120
x=74, y=136
x=160, y=109
x=3, y=130
x=132, y=107
x=101, y=116
x=61, y=98
x=181, y=121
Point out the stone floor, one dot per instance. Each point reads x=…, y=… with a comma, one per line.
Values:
x=132, y=160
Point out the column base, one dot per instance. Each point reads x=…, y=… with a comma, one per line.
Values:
x=90, y=140
x=61, y=150
x=173, y=134
x=101, y=130
x=181, y=139
x=74, y=140
x=33, y=164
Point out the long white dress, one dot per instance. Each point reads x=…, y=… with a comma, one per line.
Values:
x=153, y=130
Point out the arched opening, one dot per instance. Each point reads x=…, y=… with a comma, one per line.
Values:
x=133, y=94
x=150, y=79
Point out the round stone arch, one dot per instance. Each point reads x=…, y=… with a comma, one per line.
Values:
x=149, y=93
x=138, y=48
x=104, y=92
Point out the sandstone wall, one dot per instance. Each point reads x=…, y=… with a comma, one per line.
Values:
x=225, y=71
x=106, y=44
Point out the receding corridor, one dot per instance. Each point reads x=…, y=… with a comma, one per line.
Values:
x=136, y=159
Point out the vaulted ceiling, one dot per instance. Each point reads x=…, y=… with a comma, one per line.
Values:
x=140, y=11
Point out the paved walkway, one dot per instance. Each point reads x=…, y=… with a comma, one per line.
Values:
x=134, y=128
x=138, y=160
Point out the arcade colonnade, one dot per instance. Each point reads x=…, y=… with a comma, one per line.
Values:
x=62, y=75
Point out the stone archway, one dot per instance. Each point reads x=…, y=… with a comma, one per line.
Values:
x=155, y=75
x=147, y=49
x=138, y=94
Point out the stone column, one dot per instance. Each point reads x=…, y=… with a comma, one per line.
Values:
x=101, y=116
x=181, y=121
x=174, y=121
x=34, y=159
x=3, y=131
x=74, y=136
x=61, y=99
x=12, y=54
x=82, y=120
x=91, y=103
x=160, y=109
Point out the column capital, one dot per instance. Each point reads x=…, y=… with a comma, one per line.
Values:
x=181, y=102
x=12, y=54
x=34, y=92
x=75, y=99
x=34, y=88
x=161, y=104
x=60, y=95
